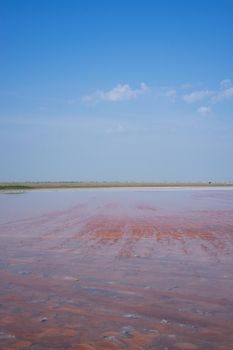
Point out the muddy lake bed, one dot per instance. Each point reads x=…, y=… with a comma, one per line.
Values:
x=136, y=269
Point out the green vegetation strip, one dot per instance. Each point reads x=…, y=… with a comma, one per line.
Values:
x=15, y=187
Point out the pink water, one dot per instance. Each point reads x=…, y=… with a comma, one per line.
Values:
x=116, y=269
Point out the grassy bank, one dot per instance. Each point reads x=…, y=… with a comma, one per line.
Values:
x=50, y=185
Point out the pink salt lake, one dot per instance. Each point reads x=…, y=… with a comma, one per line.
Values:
x=133, y=269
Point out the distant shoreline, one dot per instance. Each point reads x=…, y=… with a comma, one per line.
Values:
x=64, y=185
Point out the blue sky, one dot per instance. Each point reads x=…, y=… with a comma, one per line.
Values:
x=116, y=90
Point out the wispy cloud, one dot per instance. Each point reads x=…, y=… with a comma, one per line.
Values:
x=196, y=96
x=211, y=97
x=121, y=92
x=186, y=93
x=117, y=129
x=204, y=110
x=168, y=92
x=225, y=84
x=224, y=94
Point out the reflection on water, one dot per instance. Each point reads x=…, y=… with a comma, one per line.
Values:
x=116, y=269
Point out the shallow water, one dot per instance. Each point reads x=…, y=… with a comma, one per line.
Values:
x=116, y=269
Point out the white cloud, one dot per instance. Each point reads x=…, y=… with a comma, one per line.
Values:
x=118, y=93
x=171, y=93
x=197, y=96
x=222, y=95
x=204, y=110
x=225, y=92
x=185, y=86
x=117, y=129
x=225, y=84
